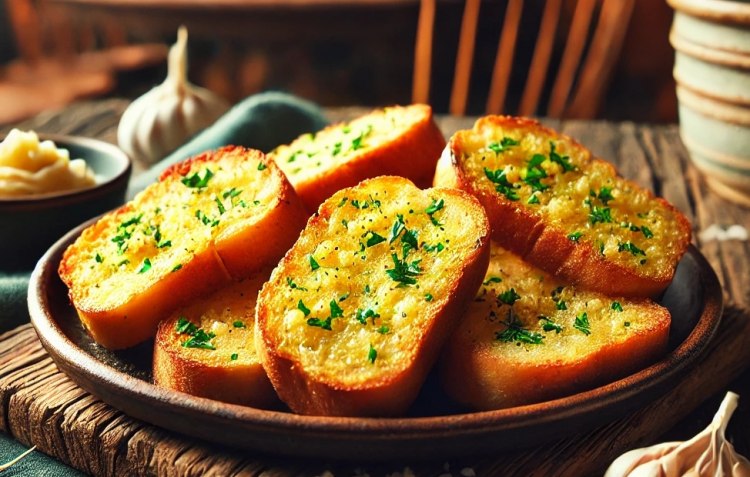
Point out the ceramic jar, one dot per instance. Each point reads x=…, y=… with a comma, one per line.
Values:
x=711, y=39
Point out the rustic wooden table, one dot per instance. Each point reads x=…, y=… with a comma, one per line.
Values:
x=41, y=406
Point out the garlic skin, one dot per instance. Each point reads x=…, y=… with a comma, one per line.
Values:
x=708, y=454
x=161, y=120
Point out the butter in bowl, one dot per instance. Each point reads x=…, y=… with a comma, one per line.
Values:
x=48, y=185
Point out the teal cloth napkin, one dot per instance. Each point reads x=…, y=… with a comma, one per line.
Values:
x=261, y=121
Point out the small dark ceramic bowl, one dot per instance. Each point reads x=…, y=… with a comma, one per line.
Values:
x=30, y=225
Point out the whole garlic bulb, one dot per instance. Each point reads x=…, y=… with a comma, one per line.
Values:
x=708, y=454
x=166, y=116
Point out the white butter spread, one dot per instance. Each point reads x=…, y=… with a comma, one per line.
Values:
x=30, y=167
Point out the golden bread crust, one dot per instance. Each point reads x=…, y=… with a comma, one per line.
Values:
x=221, y=364
x=545, y=339
x=564, y=211
x=182, y=237
x=341, y=331
x=400, y=140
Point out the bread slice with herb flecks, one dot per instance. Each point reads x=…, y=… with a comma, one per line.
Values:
x=208, y=348
x=529, y=337
x=354, y=315
x=563, y=210
x=399, y=140
x=219, y=216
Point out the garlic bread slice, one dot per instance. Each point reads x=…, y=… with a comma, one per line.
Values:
x=354, y=315
x=570, y=214
x=528, y=337
x=217, y=217
x=399, y=140
x=208, y=348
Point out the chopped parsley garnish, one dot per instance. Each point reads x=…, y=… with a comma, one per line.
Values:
x=503, y=145
x=616, y=306
x=343, y=201
x=313, y=263
x=646, y=232
x=362, y=316
x=492, y=280
x=124, y=232
x=177, y=267
x=434, y=207
x=561, y=305
x=428, y=297
x=535, y=173
x=185, y=327
x=205, y=219
x=195, y=181
x=533, y=199
x=365, y=204
x=402, y=272
x=563, y=161
x=502, y=185
x=374, y=239
x=630, y=247
x=509, y=297
x=409, y=241
x=438, y=247
x=383, y=330
x=293, y=285
x=158, y=238
x=261, y=166
x=317, y=322
x=234, y=356
x=582, y=324
x=301, y=307
x=599, y=214
x=146, y=266
x=231, y=193
x=605, y=195
x=98, y=258
x=220, y=205
x=398, y=226
x=344, y=296
x=626, y=324
x=238, y=324
x=516, y=333
x=336, y=149
x=198, y=337
x=575, y=236
x=336, y=311
x=550, y=325
x=372, y=354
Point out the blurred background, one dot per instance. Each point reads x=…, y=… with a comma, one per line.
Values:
x=347, y=52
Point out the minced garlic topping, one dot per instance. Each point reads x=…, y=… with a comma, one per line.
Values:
x=30, y=167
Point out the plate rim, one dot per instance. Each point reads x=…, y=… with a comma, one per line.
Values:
x=384, y=433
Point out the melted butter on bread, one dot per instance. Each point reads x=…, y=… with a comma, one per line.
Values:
x=397, y=140
x=537, y=183
x=529, y=337
x=360, y=298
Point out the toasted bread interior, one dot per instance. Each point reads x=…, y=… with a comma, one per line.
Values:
x=353, y=300
x=208, y=348
x=529, y=337
x=551, y=177
x=312, y=154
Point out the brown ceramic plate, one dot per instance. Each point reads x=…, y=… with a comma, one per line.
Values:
x=434, y=426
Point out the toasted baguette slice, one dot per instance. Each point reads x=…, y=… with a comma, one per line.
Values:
x=564, y=211
x=528, y=337
x=217, y=217
x=399, y=140
x=208, y=349
x=354, y=315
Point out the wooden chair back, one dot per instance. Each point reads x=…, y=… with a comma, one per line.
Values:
x=595, y=35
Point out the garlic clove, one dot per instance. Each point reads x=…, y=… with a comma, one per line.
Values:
x=165, y=117
x=707, y=454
